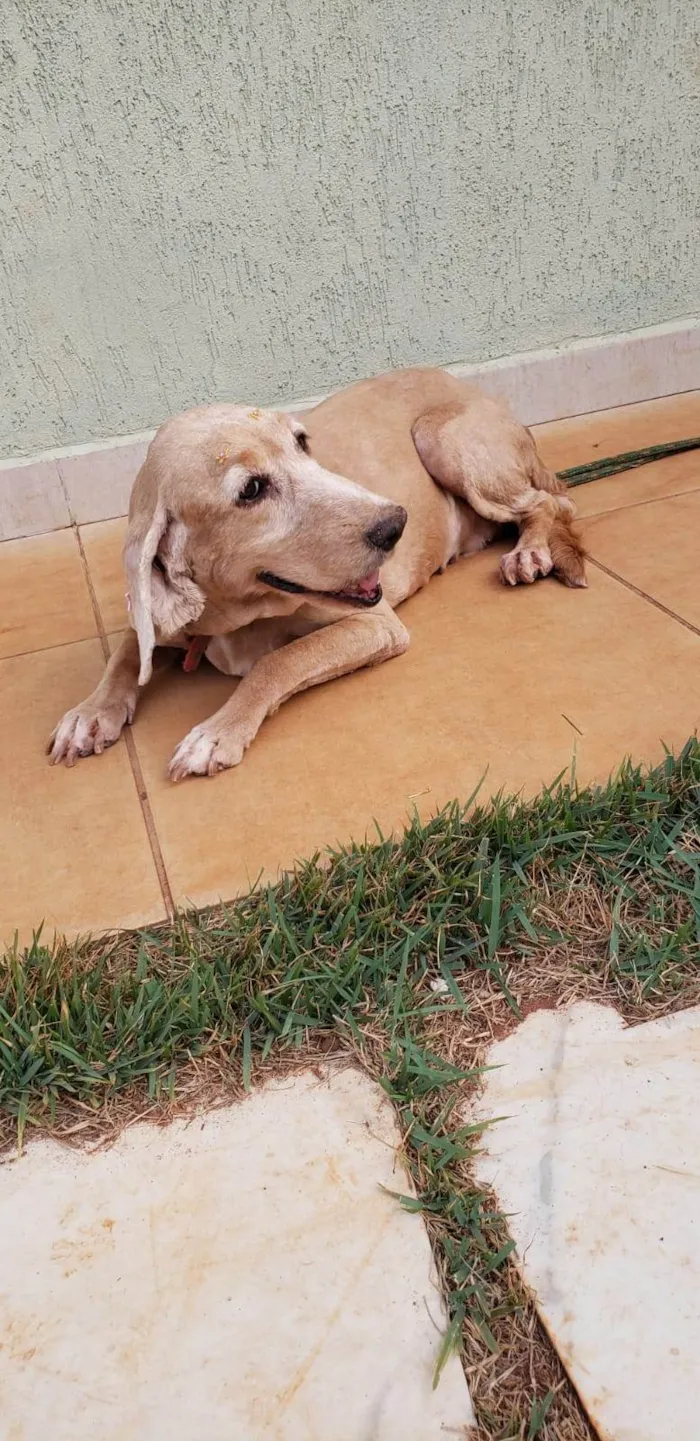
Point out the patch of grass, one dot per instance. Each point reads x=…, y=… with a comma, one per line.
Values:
x=409, y=955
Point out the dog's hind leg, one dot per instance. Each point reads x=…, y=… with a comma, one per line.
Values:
x=479, y=452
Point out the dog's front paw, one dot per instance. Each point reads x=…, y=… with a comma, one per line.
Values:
x=524, y=564
x=206, y=751
x=89, y=729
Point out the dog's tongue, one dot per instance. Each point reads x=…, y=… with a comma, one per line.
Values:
x=366, y=586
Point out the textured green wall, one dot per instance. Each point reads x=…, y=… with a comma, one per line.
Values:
x=204, y=199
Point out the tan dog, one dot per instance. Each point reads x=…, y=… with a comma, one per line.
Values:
x=247, y=542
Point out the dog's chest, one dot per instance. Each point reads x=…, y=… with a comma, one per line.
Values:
x=237, y=652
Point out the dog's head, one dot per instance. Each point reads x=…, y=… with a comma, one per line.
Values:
x=228, y=509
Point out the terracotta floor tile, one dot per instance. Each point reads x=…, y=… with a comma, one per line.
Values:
x=564, y=443
x=74, y=848
x=103, y=544
x=516, y=682
x=513, y=681
x=677, y=475
x=656, y=548
x=44, y=598
x=607, y=432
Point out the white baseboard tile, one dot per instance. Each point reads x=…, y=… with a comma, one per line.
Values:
x=83, y=483
x=32, y=499
x=98, y=482
x=583, y=375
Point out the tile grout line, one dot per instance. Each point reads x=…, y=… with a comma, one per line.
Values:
x=59, y=644
x=72, y=523
x=149, y=822
x=637, y=504
x=643, y=595
x=136, y=771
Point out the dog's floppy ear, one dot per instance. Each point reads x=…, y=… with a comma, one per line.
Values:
x=147, y=521
x=167, y=597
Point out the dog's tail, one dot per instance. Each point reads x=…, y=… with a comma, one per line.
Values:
x=565, y=544
x=544, y=479
x=567, y=551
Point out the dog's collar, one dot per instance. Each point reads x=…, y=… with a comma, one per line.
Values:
x=196, y=647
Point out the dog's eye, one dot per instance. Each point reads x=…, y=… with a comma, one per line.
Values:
x=302, y=441
x=255, y=486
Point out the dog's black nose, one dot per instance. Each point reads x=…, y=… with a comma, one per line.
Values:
x=385, y=533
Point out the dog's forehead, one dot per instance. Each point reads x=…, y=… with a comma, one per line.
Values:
x=253, y=453
x=250, y=438
x=192, y=454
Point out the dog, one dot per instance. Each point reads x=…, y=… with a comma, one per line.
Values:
x=258, y=539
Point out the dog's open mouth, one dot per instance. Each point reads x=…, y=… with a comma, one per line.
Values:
x=366, y=592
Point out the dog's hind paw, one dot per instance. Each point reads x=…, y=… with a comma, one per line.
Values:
x=524, y=564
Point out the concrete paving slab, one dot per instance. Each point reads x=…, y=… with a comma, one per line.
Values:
x=242, y=1277
x=598, y=1166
